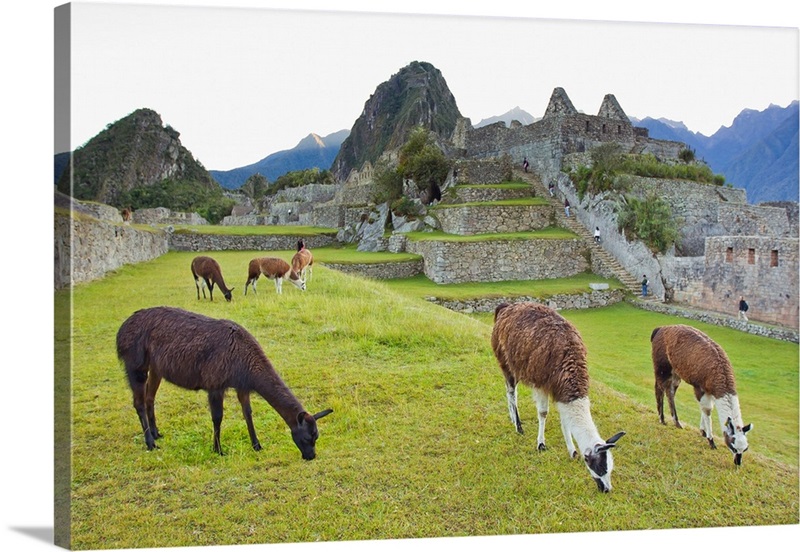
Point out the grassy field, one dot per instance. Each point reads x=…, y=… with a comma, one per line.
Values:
x=419, y=444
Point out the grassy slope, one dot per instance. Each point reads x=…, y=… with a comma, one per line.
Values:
x=419, y=443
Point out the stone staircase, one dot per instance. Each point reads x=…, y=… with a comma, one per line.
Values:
x=572, y=223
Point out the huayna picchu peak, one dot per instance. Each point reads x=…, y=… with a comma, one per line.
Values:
x=417, y=95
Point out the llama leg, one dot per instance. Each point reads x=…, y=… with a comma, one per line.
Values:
x=659, y=388
x=210, y=285
x=541, y=398
x=153, y=381
x=706, y=406
x=278, y=285
x=672, y=386
x=244, y=399
x=197, y=285
x=138, y=382
x=511, y=396
x=215, y=403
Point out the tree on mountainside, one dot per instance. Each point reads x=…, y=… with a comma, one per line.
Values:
x=422, y=161
x=255, y=187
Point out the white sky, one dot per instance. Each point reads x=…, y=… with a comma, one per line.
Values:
x=28, y=144
x=239, y=84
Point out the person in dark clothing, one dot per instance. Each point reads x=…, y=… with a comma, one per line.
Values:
x=644, y=285
x=743, y=308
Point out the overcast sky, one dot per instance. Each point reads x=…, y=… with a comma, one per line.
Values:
x=240, y=84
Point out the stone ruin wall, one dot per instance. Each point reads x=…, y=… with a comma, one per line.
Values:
x=763, y=269
x=162, y=215
x=86, y=248
x=487, y=219
x=494, y=261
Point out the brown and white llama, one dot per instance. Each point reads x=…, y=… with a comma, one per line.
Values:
x=272, y=268
x=536, y=346
x=683, y=353
x=302, y=263
x=207, y=273
x=197, y=352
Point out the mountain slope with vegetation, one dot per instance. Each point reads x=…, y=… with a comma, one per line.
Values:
x=137, y=162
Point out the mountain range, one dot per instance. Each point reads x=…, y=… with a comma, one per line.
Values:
x=515, y=114
x=311, y=151
x=758, y=152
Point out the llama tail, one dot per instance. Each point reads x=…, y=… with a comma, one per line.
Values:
x=497, y=310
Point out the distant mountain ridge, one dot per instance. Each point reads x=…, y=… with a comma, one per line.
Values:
x=515, y=114
x=758, y=152
x=312, y=151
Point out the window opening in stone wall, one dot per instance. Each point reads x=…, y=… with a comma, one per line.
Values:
x=604, y=128
x=729, y=255
x=587, y=126
x=751, y=256
x=619, y=129
x=773, y=258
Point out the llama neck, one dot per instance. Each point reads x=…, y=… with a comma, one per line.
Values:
x=217, y=279
x=578, y=417
x=728, y=407
x=269, y=385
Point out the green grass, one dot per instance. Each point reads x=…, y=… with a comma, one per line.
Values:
x=516, y=202
x=255, y=230
x=500, y=186
x=550, y=233
x=421, y=287
x=419, y=444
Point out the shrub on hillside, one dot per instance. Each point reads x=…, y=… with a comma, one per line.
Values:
x=649, y=220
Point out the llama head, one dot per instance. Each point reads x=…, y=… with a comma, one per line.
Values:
x=305, y=433
x=600, y=462
x=296, y=280
x=736, y=440
x=227, y=294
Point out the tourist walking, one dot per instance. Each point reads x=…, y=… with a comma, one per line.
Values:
x=525, y=164
x=596, y=234
x=743, y=308
x=644, y=285
x=566, y=206
x=552, y=189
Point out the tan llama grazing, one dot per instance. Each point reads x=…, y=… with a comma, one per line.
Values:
x=536, y=346
x=683, y=353
x=302, y=263
x=274, y=269
x=206, y=273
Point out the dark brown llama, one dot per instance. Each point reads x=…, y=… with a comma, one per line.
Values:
x=197, y=352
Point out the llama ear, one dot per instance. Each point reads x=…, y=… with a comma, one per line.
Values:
x=615, y=438
x=729, y=426
x=301, y=417
x=322, y=414
x=747, y=428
